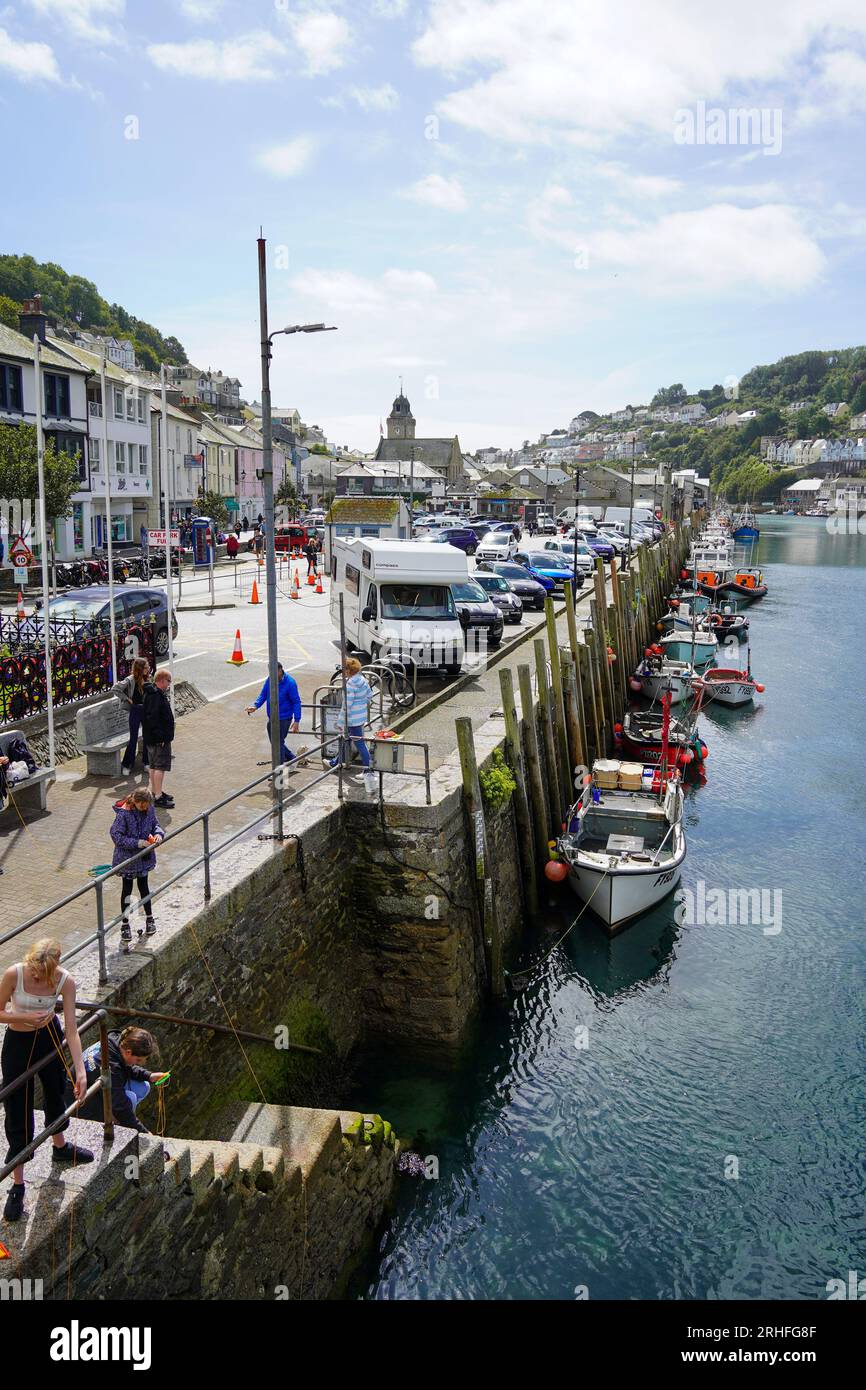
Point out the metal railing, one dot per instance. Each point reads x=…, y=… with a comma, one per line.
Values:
x=208, y=853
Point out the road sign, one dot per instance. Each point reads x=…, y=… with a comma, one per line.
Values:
x=20, y=553
x=157, y=538
x=20, y=574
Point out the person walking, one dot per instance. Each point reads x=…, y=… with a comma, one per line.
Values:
x=232, y=546
x=158, y=726
x=289, y=708
x=136, y=827
x=28, y=1007
x=355, y=712
x=130, y=1079
x=130, y=693
x=311, y=550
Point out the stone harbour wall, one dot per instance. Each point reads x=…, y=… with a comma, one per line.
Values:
x=282, y=1214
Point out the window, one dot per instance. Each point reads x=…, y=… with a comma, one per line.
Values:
x=140, y=409
x=118, y=403
x=130, y=455
x=142, y=458
x=78, y=525
x=130, y=406
x=400, y=601
x=188, y=441
x=353, y=577
x=95, y=455
x=119, y=533
x=10, y=387
x=56, y=395
x=119, y=456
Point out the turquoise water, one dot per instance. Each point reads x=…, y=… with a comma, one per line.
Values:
x=708, y=1045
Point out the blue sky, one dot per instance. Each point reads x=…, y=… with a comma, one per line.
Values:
x=524, y=207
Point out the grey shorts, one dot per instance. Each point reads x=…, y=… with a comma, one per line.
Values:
x=159, y=756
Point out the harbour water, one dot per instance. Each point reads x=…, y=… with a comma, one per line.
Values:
x=703, y=1137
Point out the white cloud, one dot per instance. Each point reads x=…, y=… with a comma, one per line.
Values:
x=30, y=62
x=530, y=72
x=389, y=9
x=713, y=251
x=637, y=185
x=248, y=58
x=409, y=281
x=95, y=21
x=201, y=9
x=286, y=160
x=322, y=37
x=384, y=98
x=341, y=291
x=838, y=91
x=438, y=192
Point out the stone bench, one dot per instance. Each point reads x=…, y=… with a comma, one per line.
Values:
x=102, y=731
x=34, y=786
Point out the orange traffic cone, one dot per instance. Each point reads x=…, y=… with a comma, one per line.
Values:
x=294, y=592
x=21, y=613
x=237, y=657
x=254, y=597
x=319, y=589
x=311, y=578
x=260, y=557
x=297, y=580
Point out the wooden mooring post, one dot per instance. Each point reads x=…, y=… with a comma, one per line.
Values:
x=545, y=715
x=522, y=816
x=563, y=760
x=541, y=825
x=483, y=868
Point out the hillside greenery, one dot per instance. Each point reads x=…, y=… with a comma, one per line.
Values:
x=73, y=302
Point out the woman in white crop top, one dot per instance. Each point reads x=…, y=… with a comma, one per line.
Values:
x=28, y=1008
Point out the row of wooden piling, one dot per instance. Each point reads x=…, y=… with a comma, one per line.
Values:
x=581, y=690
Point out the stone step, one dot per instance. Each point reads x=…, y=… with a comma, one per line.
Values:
x=201, y=1164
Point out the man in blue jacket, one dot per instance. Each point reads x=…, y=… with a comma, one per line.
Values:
x=289, y=707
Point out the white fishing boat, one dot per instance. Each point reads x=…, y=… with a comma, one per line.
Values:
x=727, y=685
x=624, y=846
x=655, y=675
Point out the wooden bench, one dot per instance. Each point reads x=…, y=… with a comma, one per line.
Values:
x=37, y=784
x=102, y=731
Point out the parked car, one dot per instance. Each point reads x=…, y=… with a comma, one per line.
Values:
x=545, y=525
x=135, y=604
x=289, y=538
x=520, y=581
x=614, y=538
x=497, y=590
x=463, y=537
x=547, y=564
x=477, y=611
x=566, y=549
x=497, y=545
x=598, y=545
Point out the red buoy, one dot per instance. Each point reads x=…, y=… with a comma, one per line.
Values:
x=555, y=870
x=760, y=688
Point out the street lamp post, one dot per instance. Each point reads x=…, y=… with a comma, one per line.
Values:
x=268, y=489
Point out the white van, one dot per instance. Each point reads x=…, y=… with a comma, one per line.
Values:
x=642, y=514
x=397, y=599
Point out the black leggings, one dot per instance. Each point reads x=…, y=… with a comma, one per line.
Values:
x=143, y=893
x=20, y=1051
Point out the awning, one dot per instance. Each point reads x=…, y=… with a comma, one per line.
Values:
x=231, y=504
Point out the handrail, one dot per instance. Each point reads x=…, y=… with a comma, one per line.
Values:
x=103, y=1085
x=204, y=860
x=193, y=1023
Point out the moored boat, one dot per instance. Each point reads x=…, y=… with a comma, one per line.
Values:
x=727, y=685
x=744, y=527
x=747, y=583
x=643, y=735
x=696, y=645
x=624, y=846
x=655, y=676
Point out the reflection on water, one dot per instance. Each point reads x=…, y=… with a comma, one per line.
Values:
x=585, y=1141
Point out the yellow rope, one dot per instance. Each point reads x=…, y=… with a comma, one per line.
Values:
x=227, y=1014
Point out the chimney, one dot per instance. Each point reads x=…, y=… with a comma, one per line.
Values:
x=31, y=319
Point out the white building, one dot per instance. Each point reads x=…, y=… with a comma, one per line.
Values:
x=64, y=412
x=122, y=424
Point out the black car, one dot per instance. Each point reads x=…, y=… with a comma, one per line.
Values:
x=497, y=590
x=477, y=612
x=527, y=589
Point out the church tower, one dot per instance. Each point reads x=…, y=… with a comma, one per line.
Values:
x=401, y=421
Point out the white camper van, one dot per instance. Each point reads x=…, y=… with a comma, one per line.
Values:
x=397, y=600
x=643, y=514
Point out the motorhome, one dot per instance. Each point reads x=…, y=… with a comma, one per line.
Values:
x=397, y=600
x=641, y=513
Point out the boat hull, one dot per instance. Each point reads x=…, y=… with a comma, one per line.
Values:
x=655, y=686
x=618, y=897
x=678, y=647
x=746, y=533
x=748, y=595
x=730, y=688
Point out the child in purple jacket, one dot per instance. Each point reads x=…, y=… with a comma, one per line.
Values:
x=135, y=827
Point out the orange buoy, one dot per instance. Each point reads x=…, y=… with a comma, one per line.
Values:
x=555, y=871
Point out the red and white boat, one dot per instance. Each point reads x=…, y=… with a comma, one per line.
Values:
x=727, y=685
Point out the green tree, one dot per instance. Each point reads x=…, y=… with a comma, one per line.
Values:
x=320, y=449
x=286, y=494
x=212, y=504
x=9, y=311
x=19, y=475
x=669, y=395
x=858, y=402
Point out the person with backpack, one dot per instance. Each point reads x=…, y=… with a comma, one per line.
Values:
x=158, y=725
x=136, y=827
